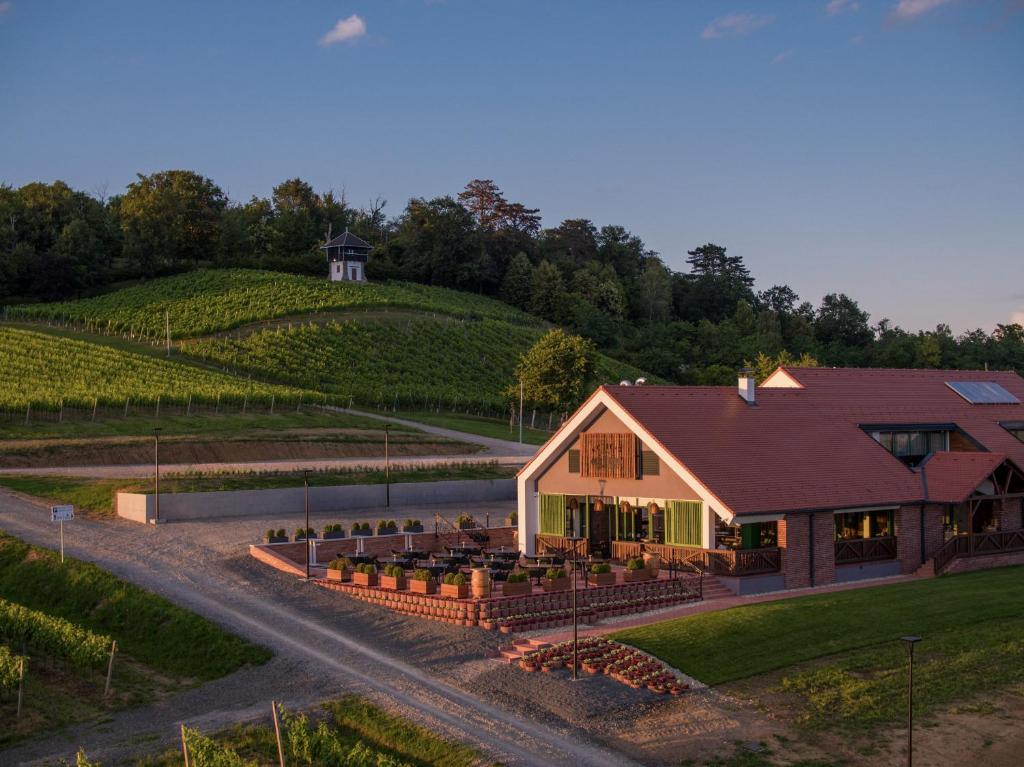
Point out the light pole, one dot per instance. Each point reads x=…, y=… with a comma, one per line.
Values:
x=520, y=411
x=575, y=539
x=910, y=641
x=305, y=484
x=387, y=467
x=156, y=475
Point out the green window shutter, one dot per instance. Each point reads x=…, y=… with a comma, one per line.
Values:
x=684, y=523
x=650, y=463
x=750, y=536
x=574, y=461
x=552, y=514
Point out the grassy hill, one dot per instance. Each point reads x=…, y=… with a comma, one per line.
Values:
x=204, y=302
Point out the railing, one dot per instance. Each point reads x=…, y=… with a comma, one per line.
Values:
x=865, y=550
x=966, y=545
x=546, y=543
x=716, y=561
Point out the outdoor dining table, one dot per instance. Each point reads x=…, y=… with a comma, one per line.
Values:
x=360, y=559
x=508, y=556
x=464, y=549
x=435, y=570
x=536, y=572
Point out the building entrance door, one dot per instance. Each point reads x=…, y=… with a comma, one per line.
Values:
x=599, y=529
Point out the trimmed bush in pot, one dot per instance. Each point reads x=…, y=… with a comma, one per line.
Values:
x=555, y=579
x=301, y=535
x=636, y=571
x=365, y=575
x=464, y=522
x=423, y=582
x=387, y=527
x=393, y=577
x=601, y=575
x=412, y=526
x=455, y=586
x=361, y=529
x=276, y=536
x=333, y=532
x=517, y=585
x=339, y=569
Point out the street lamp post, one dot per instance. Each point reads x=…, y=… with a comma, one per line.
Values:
x=387, y=467
x=575, y=539
x=910, y=641
x=305, y=484
x=156, y=475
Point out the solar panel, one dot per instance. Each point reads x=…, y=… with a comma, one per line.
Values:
x=983, y=393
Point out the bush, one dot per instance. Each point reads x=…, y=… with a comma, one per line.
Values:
x=422, y=575
x=464, y=519
x=386, y=525
x=338, y=564
x=307, y=533
x=600, y=568
x=517, y=578
x=281, y=533
x=554, y=573
x=365, y=526
x=356, y=527
x=455, y=579
x=514, y=518
x=637, y=563
x=394, y=571
x=333, y=528
x=52, y=636
x=270, y=534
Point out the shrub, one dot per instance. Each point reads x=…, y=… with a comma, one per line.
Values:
x=337, y=564
x=554, y=573
x=416, y=522
x=394, y=571
x=307, y=533
x=356, y=527
x=517, y=578
x=600, y=568
x=281, y=533
x=514, y=518
x=333, y=528
x=422, y=575
x=270, y=534
x=365, y=526
x=455, y=579
x=637, y=563
x=386, y=524
x=408, y=523
x=464, y=519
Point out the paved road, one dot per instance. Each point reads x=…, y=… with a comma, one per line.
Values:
x=325, y=645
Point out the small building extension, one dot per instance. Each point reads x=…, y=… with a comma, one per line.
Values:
x=346, y=257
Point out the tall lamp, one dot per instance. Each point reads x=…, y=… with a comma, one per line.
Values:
x=305, y=530
x=910, y=641
x=575, y=540
x=156, y=474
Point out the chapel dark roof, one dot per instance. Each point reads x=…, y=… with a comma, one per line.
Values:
x=347, y=240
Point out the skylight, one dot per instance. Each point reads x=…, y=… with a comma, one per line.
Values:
x=983, y=393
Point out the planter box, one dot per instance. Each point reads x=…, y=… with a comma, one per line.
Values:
x=388, y=531
x=364, y=579
x=634, y=576
x=509, y=522
x=339, y=575
x=601, y=579
x=556, y=584
x=299, y=538
x=452, y=591
x=277, y=539
x=516, y=589
x=422, y=587
x=393, y=582
x=413, y=529
x=334, y=535
x=361, y=533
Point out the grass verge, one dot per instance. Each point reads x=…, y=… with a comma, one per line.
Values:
x=480, y=425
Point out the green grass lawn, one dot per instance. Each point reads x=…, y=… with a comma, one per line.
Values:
x=481, y=425
x=841, y=654
x=346, y=723
x=97, y=495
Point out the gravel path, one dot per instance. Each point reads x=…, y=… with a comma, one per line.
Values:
x=325, y=645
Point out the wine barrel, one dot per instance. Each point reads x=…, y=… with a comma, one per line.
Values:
x=481, y=583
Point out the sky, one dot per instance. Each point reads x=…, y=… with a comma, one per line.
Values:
x=870, y=147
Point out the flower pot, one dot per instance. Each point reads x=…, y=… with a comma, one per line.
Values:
x=277, y=539
x=361, y=533
x=516, y=589
x=387, y=531
x=343, y=576
x=393, y=582
x=452, y=591
x=556, y=584
x=423, y=587
x=412, y=528
x=635, y=576
x=365, y=579
x=601, y=579
x=334, y=535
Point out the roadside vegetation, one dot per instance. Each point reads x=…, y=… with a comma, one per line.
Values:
x=96, y=496
x=484, y=426
x=836, y=659
x=63, y=618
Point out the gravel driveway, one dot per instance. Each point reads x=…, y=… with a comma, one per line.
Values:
x=325, y=645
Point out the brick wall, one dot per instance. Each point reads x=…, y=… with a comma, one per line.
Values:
x=1008, y=515
x=908, y=537
x=934, y=537
x=824, y=548
x=966, y=564
x=792, y=536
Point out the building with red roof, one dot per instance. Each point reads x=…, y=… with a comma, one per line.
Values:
x=818, y=475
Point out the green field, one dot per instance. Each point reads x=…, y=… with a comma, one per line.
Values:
x=143, y=624
x=483, y=426
x=204, y=302
x=44, y=370
x=839, y=654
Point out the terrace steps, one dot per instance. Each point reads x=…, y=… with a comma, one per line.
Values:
x=511, y=653
x=713, y=588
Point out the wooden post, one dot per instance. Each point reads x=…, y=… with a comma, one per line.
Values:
x=126, y=400
x=157, y=405
x=184, y=745
x=188, y=407
x=60, y=415
x=21, y=686
x=28, y=412
x=245, y=401
x=299, y=406
x=277, y=734
x=95, y=404
x=110, y=668
x=272, y=397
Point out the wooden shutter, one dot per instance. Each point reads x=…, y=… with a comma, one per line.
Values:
x=552, y=514
x=684, y=523
x=651, y=464
x=608, y=456
x=574, y=461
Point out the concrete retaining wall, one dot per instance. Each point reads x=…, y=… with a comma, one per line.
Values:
x=284, y=501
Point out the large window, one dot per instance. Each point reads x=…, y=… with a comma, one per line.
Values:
x=864, y=524
x=911, y=446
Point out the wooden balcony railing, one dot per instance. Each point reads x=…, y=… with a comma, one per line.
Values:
x=559, y=544
x=966, y=545
x=865, y=550
x=715, y=561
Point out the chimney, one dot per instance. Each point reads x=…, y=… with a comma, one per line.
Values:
x=747, y=386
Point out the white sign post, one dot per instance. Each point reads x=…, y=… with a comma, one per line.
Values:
x=62, y=514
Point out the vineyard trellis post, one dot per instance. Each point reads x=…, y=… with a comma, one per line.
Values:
x=272, y=397
x=157, y=405
x=245, y=401
x=277, y=734
x=188, y=407
x=28, y=412
x=126, y=401
x=110, y=668
x=184, y=745
x=95, y=404
x=60, y=413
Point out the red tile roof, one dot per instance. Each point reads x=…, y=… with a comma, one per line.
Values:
x=951, y=477
x=802, y=449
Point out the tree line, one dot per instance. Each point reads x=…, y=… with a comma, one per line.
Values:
x=603, y=283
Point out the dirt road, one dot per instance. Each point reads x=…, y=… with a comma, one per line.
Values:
x=325, y=646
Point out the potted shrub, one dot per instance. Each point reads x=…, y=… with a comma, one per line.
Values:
x=601, y=575
x=393, y=577
x=276, y=536
x=412, y=526
x=516, y=585
x=387, y=527
x=333, y=532
x=340, y=569
x=301, y=535
x=512, y=519
x=555, y=579
x=455, y=586
x=423, y=582
x=361, y=529
x=635, y=571
x=365, y=575
x=464, y=522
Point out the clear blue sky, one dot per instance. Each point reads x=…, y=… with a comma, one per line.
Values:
x=873, y=147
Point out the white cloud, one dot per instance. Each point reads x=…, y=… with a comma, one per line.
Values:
x=835, y=7
x=907, y=10
x=780, y=57
x=735, y=24
x=5, y=7
x=857, y=39
x=345, y=31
